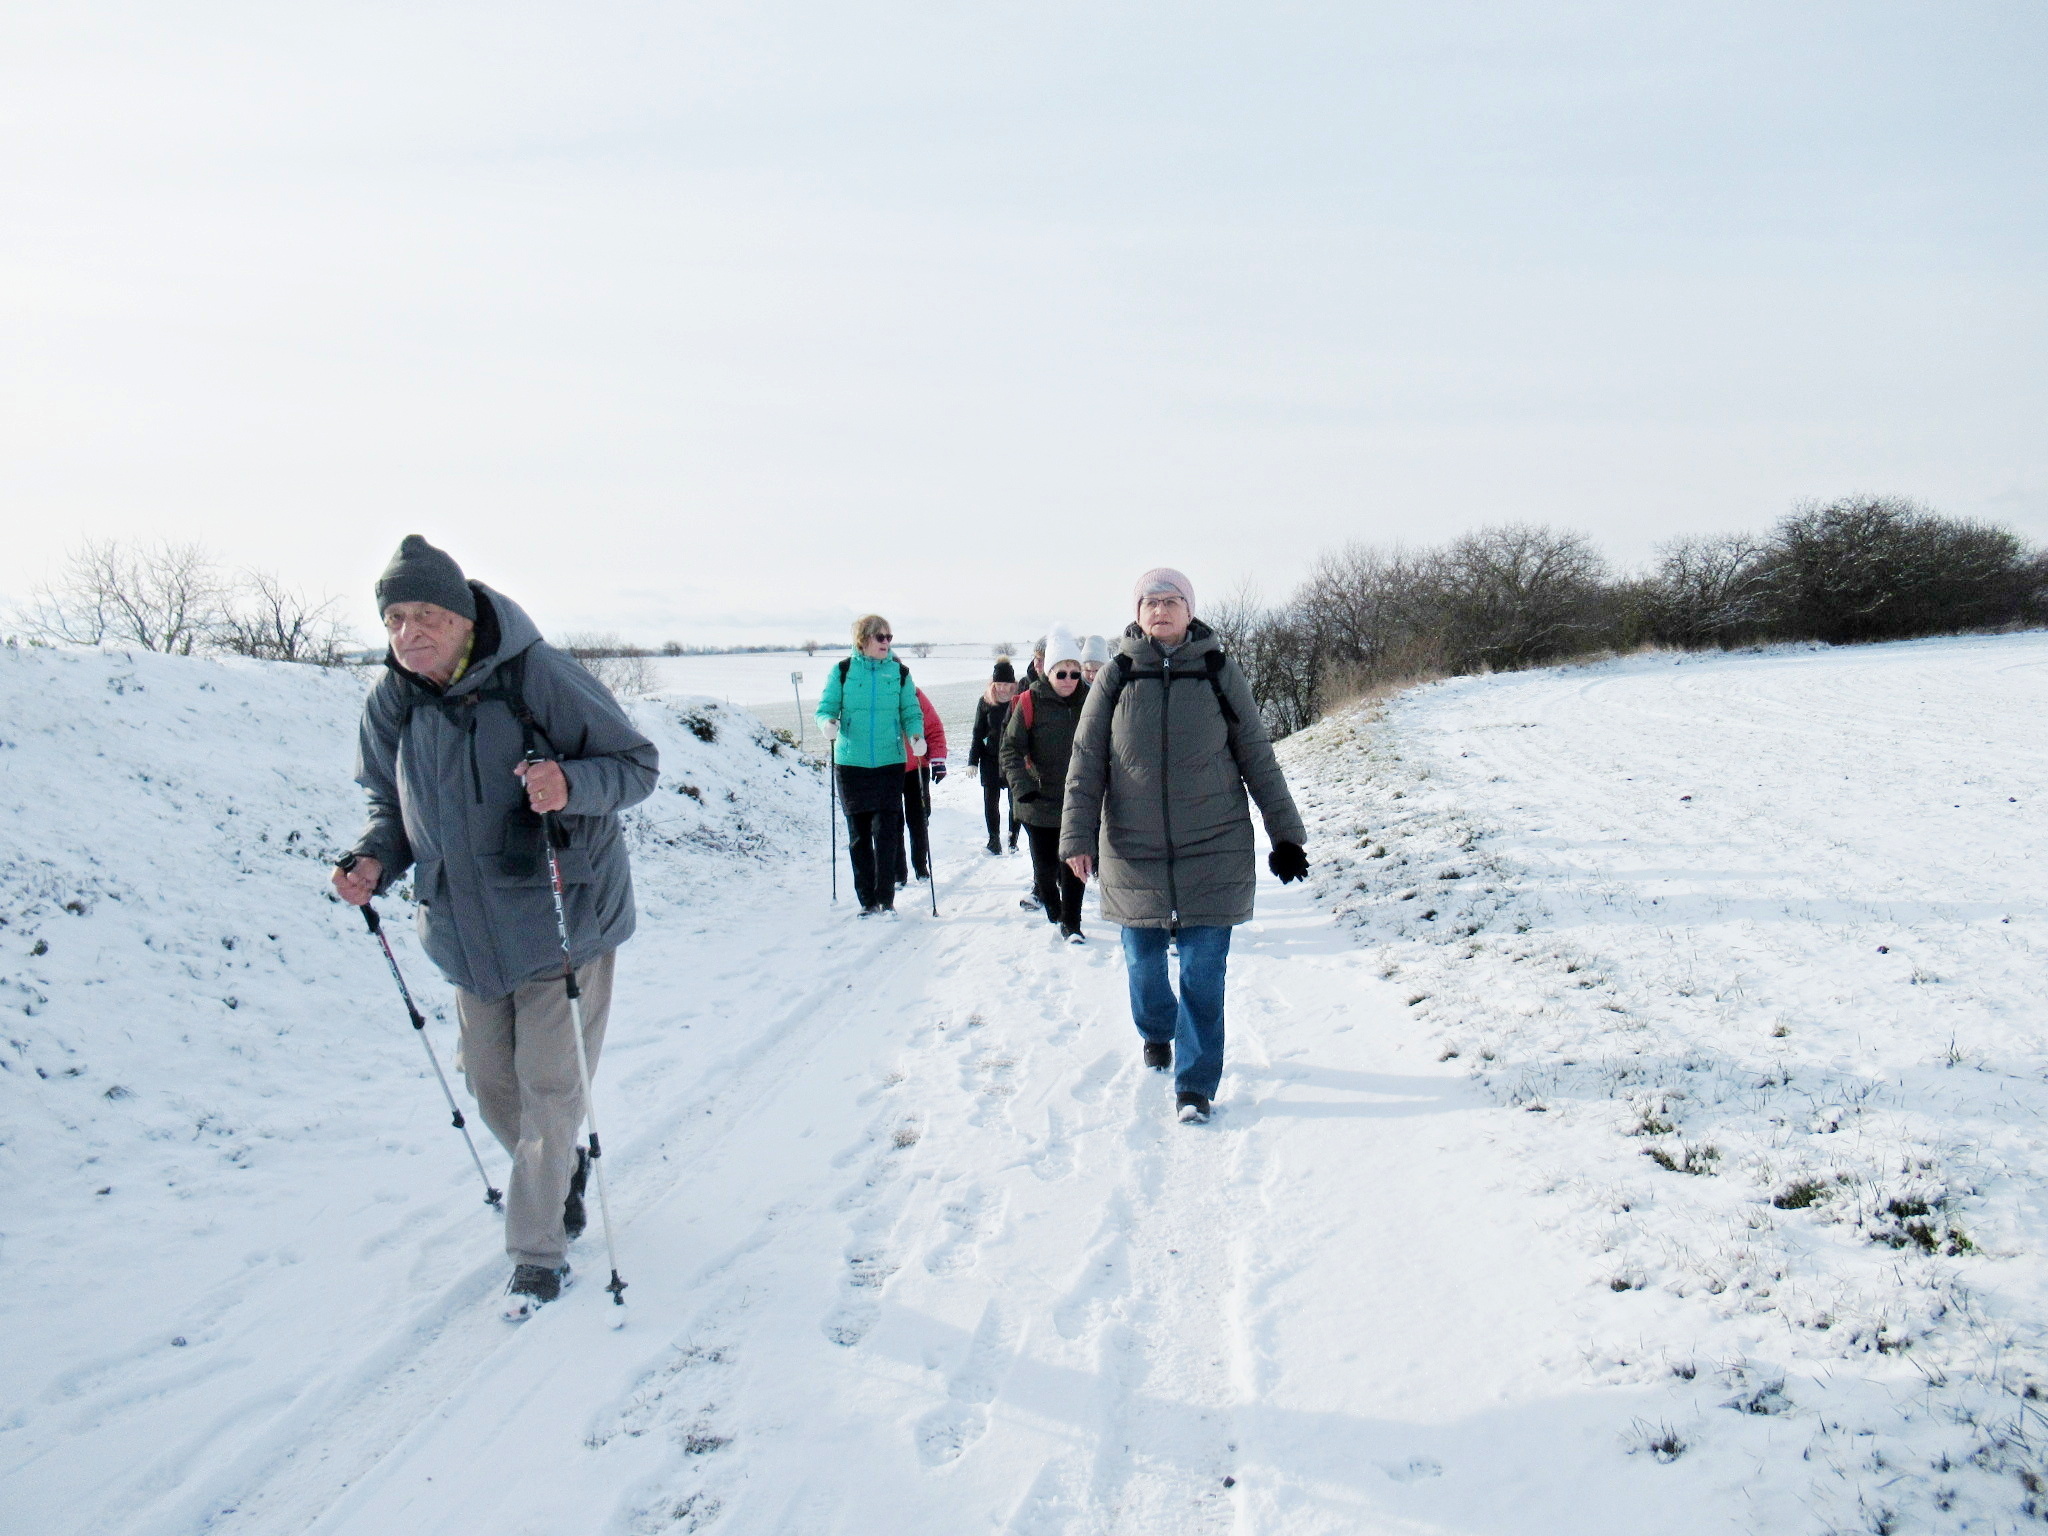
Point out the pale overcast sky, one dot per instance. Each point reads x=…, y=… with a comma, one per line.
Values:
x=727, y=322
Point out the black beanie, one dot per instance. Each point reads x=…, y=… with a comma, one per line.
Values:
x=420, y=573
x=1004, y=672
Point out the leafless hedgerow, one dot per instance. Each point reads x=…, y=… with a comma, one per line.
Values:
x=622, y=668
x=266, y=619
x=165, y=596
x=1367, y=620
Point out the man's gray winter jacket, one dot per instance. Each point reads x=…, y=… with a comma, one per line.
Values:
x=438, y=766
x=1156, y=787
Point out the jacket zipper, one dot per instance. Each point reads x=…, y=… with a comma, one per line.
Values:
x=1166, y=788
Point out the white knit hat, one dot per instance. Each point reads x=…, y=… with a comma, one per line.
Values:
x=1061, y=645
x=1095, y=649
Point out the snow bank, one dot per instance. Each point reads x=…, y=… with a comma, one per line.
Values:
x=197, y=1034
x=1762, y=939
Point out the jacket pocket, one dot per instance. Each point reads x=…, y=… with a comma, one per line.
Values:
x=426, y=881
x=575, y=862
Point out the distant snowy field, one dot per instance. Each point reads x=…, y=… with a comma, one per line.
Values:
x=1637, y=1127
x=764, y=679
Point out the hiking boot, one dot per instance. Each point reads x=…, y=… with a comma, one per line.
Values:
x=995, y=847
x=1071, y=934
x=532, y=1287
x=1031, y=903
x=573, y=1218
x=1159, y=1055
x=1191, y=1108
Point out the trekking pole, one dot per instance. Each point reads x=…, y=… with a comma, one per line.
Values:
x=604, y=1204
x=832, y=775
x=492, y=1195
x=931, y=843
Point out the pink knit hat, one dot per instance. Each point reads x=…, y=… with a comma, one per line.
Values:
x=1163, y=578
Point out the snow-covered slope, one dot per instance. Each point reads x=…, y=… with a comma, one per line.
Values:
x=1762, y=938
x=213, y=1116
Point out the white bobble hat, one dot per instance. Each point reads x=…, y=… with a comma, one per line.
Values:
x=1095, y=650
x=1061, y=645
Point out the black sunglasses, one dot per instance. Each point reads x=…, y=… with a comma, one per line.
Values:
x=885, y=639
x=1064, y=676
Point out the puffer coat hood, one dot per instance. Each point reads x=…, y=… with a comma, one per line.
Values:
x=1157, y=786
x=437, y=763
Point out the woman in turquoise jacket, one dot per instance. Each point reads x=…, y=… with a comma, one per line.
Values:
x=870, y=714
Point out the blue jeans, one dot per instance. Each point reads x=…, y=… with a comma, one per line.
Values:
x=1194, y=1020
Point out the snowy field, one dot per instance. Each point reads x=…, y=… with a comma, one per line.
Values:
x=1584, y=1165
x=764, y=679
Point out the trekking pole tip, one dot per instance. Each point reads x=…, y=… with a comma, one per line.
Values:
x=493, y=1196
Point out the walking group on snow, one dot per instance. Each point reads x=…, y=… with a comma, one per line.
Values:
x=496, y=768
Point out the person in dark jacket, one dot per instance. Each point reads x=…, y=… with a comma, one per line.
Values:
x=1169, y=743
x=441, y=752
x=1037, y=742
x=985, y=752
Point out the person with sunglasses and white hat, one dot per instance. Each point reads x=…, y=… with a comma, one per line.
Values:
x=1037, y=742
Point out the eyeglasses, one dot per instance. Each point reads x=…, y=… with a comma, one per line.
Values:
x=1164, y=600
x=885, y=639
x=1066, y=677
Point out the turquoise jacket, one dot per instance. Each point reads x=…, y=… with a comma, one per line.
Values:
x=876, y=708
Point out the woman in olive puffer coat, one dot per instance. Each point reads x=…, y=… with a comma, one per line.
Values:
x=1168, y=746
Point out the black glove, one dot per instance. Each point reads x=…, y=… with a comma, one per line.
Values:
x=1289, y=861
x=939, y=771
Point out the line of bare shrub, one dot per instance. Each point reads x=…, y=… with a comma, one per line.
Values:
x=1369, y=620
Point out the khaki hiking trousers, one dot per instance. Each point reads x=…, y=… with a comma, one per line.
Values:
x=520, y=1059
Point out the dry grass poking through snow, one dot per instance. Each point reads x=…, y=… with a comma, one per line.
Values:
x=1774, y=997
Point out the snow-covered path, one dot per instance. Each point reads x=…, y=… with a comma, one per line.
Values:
x=925, y=1252
x=914, y=1245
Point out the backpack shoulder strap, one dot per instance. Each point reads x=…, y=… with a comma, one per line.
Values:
x=508, y=687
x=1024, y=707
x=1214, y=662
x=845, y=667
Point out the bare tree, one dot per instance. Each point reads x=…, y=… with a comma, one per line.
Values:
x=620, y=667
x=266, y=619
x=1710, y=590
x=921, y=650
x=1374, y=614
x=1883, y=567
x=164, y=596
x=1279, y=653
x=1516, y=595
x=810, y=647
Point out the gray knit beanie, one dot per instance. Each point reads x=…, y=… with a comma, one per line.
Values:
x=420, y=573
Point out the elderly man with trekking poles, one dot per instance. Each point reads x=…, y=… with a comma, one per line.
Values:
x=1168, y=745
x=496, y=767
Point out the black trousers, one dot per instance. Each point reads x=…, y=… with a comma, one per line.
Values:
x=917, y=825
x=1058, y=886
x=992, y=810
x=872, y=799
